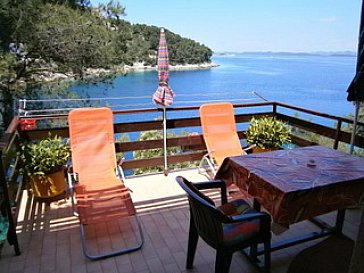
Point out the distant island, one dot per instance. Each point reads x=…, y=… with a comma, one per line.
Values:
x=346, y=53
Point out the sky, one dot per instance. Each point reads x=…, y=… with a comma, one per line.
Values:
x=254, y=25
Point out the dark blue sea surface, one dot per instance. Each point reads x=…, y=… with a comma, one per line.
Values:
x=317, y=82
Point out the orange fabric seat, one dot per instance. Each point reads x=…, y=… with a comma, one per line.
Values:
x=94, y=161
x=101, y=195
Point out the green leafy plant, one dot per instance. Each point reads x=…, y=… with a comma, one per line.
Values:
x=268, y=132
x=45, y=156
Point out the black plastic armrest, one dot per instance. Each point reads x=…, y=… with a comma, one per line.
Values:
x=213, y=185
x=263, y=216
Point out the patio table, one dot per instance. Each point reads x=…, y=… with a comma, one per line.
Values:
x=299, y=184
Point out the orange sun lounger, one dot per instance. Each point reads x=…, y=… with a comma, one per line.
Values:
x=100, y=193
x=220, y=135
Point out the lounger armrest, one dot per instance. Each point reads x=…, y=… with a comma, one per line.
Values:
x=210, y=152
x=214, y=184
x=119, y=169
x=71, y=176
x=249, y=147
x=121, y=161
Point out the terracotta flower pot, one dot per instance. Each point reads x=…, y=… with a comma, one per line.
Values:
x=28, y=124
x=49, y=185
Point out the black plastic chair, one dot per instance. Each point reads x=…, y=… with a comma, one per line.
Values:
x=230, y=227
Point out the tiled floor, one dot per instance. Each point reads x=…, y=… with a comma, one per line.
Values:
x=50, y=239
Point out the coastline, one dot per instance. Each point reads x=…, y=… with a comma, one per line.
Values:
x=233, y=75
x=137, y=67
x=48, y=76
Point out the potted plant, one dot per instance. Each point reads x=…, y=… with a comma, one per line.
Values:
x=44, y=164
x=267, y=133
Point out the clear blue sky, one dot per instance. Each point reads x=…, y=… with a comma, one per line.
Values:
x=254, y=25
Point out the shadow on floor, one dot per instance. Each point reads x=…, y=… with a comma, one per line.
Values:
x=331, y=255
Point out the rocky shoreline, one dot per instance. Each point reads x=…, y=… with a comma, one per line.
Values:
x=48, y=76
x=140, y=67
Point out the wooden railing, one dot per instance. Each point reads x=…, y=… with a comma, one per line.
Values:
x=193, y=144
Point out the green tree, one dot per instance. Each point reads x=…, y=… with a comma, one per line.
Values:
x=138, y=49
x=74, y=40
x=38, y=38
x=113, y=10
x=44, y=37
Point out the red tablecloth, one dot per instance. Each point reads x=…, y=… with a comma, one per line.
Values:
x=291, y=187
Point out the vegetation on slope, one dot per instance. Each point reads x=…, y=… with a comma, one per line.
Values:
x=67, y=37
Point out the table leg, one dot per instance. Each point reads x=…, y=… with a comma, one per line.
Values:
x=326, y=230
x=256, y=205
x=340, y=221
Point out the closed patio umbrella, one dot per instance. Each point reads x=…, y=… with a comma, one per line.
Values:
x=356, y=87
x=356, y=94
x=163, y=96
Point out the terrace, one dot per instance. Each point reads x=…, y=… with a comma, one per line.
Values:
x=48, y=235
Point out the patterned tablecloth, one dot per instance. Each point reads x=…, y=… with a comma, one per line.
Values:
x=298, y=184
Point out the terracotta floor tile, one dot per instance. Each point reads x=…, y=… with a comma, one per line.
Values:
x=50, y=238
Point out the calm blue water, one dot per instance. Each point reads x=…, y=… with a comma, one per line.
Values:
x=314, y=82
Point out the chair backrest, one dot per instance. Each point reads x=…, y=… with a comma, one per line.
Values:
x=92, y=143
x=219, y=131
x=207, y=218
x=100, y=194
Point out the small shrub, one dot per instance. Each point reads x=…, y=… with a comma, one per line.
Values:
x=45, y=156
x=268, y=132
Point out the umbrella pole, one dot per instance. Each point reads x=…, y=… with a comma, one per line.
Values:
x=165, y=141
x=352, y=140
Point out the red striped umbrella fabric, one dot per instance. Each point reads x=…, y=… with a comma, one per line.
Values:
x=164, y=94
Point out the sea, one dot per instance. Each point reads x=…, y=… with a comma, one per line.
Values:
x=314, y=81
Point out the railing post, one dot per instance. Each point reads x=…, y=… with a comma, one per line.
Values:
x=274, y=109
x=337, y=135
x=21, y=107
x=6, y=208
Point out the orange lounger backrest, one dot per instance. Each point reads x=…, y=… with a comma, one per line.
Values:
x=100, y=194
x=92, y=142
x=219, y=131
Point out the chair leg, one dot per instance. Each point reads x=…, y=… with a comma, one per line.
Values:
x=253, y=252
x=209, y=163
x=114, y=253
x=223, y=261
x=267, y=253
x=192, y=244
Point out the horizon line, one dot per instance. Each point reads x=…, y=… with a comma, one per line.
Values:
x=321, y=52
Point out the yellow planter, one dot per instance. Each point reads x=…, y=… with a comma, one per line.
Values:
x=49, y=185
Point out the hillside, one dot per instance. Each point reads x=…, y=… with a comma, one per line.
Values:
x=68, y=38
